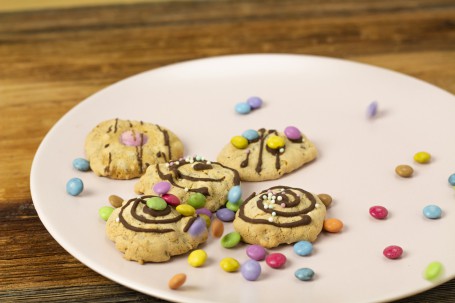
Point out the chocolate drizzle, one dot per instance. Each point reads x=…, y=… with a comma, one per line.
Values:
x=139, y=151
x=202, y=166
x=166, y=140
x=140, y=204
x=245, y=162
x=262, y=137
x=290, y=199
x=107, y=167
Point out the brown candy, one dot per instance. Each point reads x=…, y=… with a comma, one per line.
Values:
x=404, y=171
x=177, y=281
x=326, y=199
x=115, y=201
x=217, y=228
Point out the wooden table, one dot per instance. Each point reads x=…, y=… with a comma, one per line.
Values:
x=53, y=57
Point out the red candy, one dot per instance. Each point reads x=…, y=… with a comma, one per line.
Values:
x=393, y=251
x=171, y=199
x=275, y=260
x=378, y=212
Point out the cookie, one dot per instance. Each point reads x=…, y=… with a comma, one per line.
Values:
x=123, y=149
x=145, y=234
x=192, y=175
x=280, y=215
x=267, y=154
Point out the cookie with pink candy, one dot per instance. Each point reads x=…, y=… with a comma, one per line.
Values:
x=123, y=149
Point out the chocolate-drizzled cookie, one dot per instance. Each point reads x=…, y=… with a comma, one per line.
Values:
x=145, y=234
x=280, y=215
x=267, y=154
x=123, y=149
x=192, y=175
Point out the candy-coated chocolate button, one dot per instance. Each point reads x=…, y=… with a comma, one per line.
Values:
x=81, y=164
x=250, y=135
x=105, y=212
x=251, y=270
x=197, y=258
x=171, y=199
x=177, y=281
x=156, y=203
x=275, y=142
x=242, y=108
x=185, y=210
x=332, y=225
x=432, y=211
x=230, y=240
x=217, y=228
x=198, y=227
x=256, y=252
x=115, y=201
x=225, y=214
x=293, y=133
x=239, y=142
x=162, y=187
x=433, y=270
x=275, y=260
x=393, y=252
x=304, y=274
x=132, y=138
x=254, y=102
x=422, y=157
x=229, y=264
x=234, y=194
x=404, y=170
x=197, y=200
x=303, y=248
x=74, y=186
x=378, y=212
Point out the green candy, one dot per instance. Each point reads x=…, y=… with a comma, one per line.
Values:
x=433, y=270
x=156, y=203
x=234, y=206
x=230, y=240
x=105, y=212
x=196, y=200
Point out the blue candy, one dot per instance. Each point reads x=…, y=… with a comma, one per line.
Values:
x=242, y=108
x=432, y=211
x=81, y=164
x=451, y=179
x=303, y=248
x=251, y=270
x=225, y=214
x=234, y=194
x=251, y=135
x=304, y=274
x=74, y=186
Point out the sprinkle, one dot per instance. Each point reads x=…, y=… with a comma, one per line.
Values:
x=186, y=189
x=247, y=151
x=117, y=219
x=273, y=197
x=274, y=214
x=266, y=206
x=272, y=201
x=271, y=219
x=264, y=197
x=271, y=206
x=209, y=162
x=281, y=150
x=177, y=163
x=167, y=164
x=279, y=198
x=171, y=163
x=283, y=205
x=198, y=158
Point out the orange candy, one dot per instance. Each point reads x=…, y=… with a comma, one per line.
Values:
x=333, y=225
x=177, y=281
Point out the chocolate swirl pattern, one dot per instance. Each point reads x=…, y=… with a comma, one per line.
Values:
x=192, y=175
x=280, y=215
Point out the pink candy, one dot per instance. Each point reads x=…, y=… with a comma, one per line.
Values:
x=132, y=138
x=393, y=251
x=293, y=133
x=275, y=260
x=256, y=252
x=161, y=187
x=378, y=212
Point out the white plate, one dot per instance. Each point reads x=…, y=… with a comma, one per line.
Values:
x=325, y=98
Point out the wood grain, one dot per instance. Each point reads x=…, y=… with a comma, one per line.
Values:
x=51, y=59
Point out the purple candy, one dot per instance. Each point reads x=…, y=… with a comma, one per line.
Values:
x=251, y=270
x=198, y=227
x=254, y=102
x=372, y=109
x=225, y=214
x=293, y=133
x=204, y=211
x=162, y=187
x=256, y=252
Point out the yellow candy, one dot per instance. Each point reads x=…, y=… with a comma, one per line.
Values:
x=239, y=142
x=422, y=157
x=275, y=142
x=197, y=258
x=230, y=264
x=185, y=210
x=206, y=219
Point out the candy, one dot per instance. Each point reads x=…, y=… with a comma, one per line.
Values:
x=171, y=199
x=433, y=270
x=243, y=108
x=162, y=187
x=217, y=228
x=293, y=133
x=185, y=210
x=198, y=227
x=230, y=240
x=404, y=170
x=275, y=142
x=325, y=199
x=115, y=201
x=378, y=212
x=303, y=248
x=234, y=194
x=393, y=252
x=156, y=203
x=372, y=109
x=74, y=186
x=422, y=157
x=304, y=274
x=275, y=260
x=206, y=219
x=132, y=138
x=239, y=142
x=105, y=212
x=432, y=211
x=233, y=206
x=332, y=225
x=177, y=281
x=251, y=270
x=229, y=264
x=254, y=102
x=81, y=164
x=452, y=179
x=250, y=135
x=197, y=200
x=225, y=214
x=204, y=211
x=256, y=252
x=197, y=258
